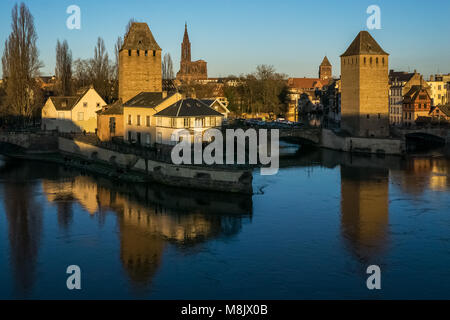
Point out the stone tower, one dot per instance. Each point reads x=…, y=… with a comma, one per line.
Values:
x=364, y=85
x=325, y=69
x=139, y=63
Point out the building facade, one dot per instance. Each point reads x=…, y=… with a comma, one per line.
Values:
x=138, y=116
x=110, y=121
x=139, y=63
x=365, y=94
x=73, y=113
x=189, y=114
x=190, y=70
x=399, y=85
x=416, y=103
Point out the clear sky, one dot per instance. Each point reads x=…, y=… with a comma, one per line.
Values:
x=234, y=36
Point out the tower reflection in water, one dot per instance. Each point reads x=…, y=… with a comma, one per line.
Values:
x=365, y=210
x=151, y=217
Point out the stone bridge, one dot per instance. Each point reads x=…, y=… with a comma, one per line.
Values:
x=443, y=133
x=303, y=135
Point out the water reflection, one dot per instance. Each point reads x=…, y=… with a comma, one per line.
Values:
x=24, y=218
x=365, y=210
x=149, y=217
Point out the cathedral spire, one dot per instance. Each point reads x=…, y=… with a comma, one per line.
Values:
x=186, y=46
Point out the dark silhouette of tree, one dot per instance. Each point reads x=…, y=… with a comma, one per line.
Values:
x=63, y=69
x=21, y=63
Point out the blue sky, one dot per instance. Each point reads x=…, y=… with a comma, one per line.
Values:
x=235, y=36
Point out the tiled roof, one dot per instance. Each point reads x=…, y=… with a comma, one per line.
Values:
x=188, y=108
x=307, y=83
x=64, y=103
x=325, y=62
x=445, y=109
x=364, y=43
x=114, y=108
x=140, y=37
x=145, y=99
x=67, y=103
x=400, y=76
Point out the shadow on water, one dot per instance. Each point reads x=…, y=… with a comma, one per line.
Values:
x=150, y=217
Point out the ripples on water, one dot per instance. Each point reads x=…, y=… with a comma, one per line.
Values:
x=310, y=233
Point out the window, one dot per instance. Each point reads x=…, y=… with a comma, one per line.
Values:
x=98, y=104
x=80, y=116
x=199, y=122
x=112, y=125
x=129, y=119
x=213, y=121
x=364, y=60
x=138, y=120
x=130, y=136
x=173, y=122
x=376, y=60
x=159, y=121
x=159, y=137
x=370, y=60
x=368, y=116
x=129, y=53
x=147, y=121
x=147, y=138
x=146, y=53
x=154, y=53
x=137, y=52
x=383, y=61
x=186, y=122
x=85, y=104
x=379, y=116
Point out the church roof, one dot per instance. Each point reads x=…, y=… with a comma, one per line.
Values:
x=325, y=62
x=188, y=108
x=364, y=43
x=140, y=37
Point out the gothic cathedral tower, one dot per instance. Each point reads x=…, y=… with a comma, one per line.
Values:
x=364, y=80
x=139, y=63
x=185, y=47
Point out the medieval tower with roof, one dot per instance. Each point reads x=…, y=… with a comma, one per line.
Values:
x=325, y=70
x=139, y=63
x=364, y=85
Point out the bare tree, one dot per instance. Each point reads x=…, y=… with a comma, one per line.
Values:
x=63, y=69
x=102, y=70
x=21, y=63
x=167, y=67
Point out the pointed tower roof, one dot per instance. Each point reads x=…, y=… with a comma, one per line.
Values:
x=364, y=43
x=186, y=36
x=325, y=62
x=140, y=37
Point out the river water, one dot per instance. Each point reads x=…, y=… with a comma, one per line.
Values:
x=309, y=232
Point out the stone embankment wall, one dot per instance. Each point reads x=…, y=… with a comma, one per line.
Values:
x=364, y=145
x=166, y=173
